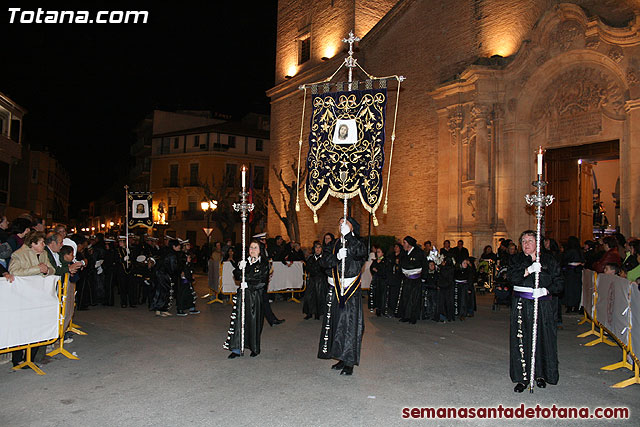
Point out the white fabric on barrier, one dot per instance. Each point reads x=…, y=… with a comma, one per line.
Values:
x=587, y=291
x=613, y=294
x=286, y=277
x=29, y=310
x=228, y=283
x=634, y=319
x=365, y=279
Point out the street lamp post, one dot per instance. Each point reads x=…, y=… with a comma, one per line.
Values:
x=208, y=206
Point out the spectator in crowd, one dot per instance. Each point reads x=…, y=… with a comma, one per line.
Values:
x=30, y=260
x=53, y=241
x=446, y=250
x=5, y=247
x=17, y=232
x=488, y=254
x=231, y=256
x=213, y=267
x=590, y=255
x=611, y=268
x=634, y=273
x=611, y=255
x=460, y=253
x=4, y=229
x=631, y=260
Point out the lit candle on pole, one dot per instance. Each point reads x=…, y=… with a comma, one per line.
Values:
x=244, y=176
x=540, y=161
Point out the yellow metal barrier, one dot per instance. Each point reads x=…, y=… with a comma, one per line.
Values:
x=28, y=362
x=627, y=350
x=601, y=338
x=63, y=305
x=218, y=291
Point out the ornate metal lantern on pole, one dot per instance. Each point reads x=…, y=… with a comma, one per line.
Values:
x=244, y=208
x=540, y=201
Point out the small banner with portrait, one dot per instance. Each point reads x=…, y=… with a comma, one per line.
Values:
x=140, y=210
x=346, y=148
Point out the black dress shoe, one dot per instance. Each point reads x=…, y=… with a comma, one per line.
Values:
x=338, y=365
x=519, y=388
x=347, y=370
x=253, y=354
x=403, y=320
x=123, y=305
x=233, y=355
x=307, y=317
x=132, y=306
x=541, y=383
x=413, y=322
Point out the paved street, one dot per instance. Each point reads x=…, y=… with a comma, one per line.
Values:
x=139, y=370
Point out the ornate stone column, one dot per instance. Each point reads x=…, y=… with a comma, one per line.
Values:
x=479, y=118
x=629, y=169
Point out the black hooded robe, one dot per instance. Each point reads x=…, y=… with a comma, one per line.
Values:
x=343, y=325
x=411, y=298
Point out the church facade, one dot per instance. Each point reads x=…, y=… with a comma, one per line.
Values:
x=488, y=82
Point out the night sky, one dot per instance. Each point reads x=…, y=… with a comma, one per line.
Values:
x=86, y=86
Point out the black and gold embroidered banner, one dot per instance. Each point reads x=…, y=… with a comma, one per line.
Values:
x=140, y=207
x=346, y=148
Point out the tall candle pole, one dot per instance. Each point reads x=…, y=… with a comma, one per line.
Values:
x=540, y=201
x=244, y=208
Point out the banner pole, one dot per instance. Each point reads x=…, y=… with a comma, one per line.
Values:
x=126, y=216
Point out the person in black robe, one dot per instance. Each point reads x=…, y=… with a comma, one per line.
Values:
x=185, y=294
x=413, y=263
x=394, y=281
x=521, y=273
x=315, y=295
x=464, y=292
x=445, y=290
x=126, y=286
x=255, y=275
x=572, y=262
x=343, y=326
x=164, y=279
x=430, y=292
x=379, y=270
